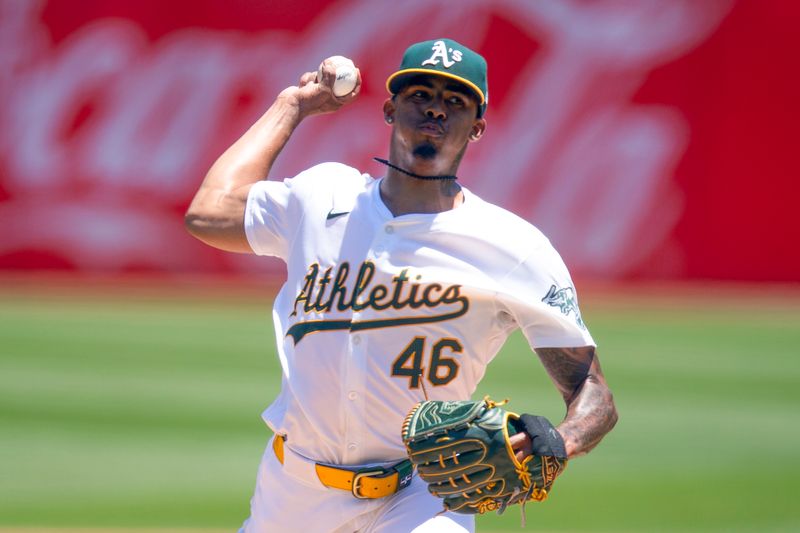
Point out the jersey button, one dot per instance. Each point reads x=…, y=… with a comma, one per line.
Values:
x=389, y=229
x=379, y=249
x=356, y=340
x=352, y=395
x=352, y=446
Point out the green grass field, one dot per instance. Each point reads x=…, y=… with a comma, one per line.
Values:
x=137, y=408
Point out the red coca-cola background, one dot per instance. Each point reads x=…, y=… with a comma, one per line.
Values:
x=649, y=140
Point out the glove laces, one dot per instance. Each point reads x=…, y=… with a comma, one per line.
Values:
x=522, y=472
x=491, y=404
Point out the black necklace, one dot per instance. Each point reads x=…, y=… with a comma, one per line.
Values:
x=442, y=177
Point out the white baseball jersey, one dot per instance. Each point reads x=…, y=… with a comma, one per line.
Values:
x=376, y=306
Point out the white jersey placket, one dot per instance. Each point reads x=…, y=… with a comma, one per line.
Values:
x=355, y=386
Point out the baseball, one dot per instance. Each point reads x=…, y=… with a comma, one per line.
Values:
x=345, y=75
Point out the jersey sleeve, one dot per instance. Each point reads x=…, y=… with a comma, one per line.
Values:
x=267, y=217
x=540, y=296
x=275, y=210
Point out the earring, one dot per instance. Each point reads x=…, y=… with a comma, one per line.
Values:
x=389, y=120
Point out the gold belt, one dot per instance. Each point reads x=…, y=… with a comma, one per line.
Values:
x=364, y=483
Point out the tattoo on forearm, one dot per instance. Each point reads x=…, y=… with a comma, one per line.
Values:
x=589, y=417
x=568, y=367
x=590, y=406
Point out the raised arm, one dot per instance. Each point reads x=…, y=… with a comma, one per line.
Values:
x=216, y=214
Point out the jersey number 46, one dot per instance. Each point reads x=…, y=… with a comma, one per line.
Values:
x=441, y=370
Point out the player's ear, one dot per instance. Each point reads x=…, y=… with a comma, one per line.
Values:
x=388, y=111
x=478, y=129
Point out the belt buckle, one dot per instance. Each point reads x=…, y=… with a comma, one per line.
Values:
x=357, y=478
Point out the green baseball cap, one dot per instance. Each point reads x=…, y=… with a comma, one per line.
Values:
x=447, y=58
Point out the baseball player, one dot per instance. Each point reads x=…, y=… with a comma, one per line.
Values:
x=398, y=289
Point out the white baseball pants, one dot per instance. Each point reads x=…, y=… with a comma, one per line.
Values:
x=289, y=497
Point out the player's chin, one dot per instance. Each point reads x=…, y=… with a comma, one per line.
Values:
x=425, y=150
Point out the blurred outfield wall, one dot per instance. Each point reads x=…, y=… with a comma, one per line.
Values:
x=649, y=140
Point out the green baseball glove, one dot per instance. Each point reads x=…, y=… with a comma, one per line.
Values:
x=461, y=449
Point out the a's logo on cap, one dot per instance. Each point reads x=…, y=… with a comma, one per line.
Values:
x=440, y=52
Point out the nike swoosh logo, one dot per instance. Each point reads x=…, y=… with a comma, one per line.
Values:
x=333, y=215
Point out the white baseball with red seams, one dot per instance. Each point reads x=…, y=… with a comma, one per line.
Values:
x=346, y=76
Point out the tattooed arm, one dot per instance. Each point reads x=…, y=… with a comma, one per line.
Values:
x=590, y=406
